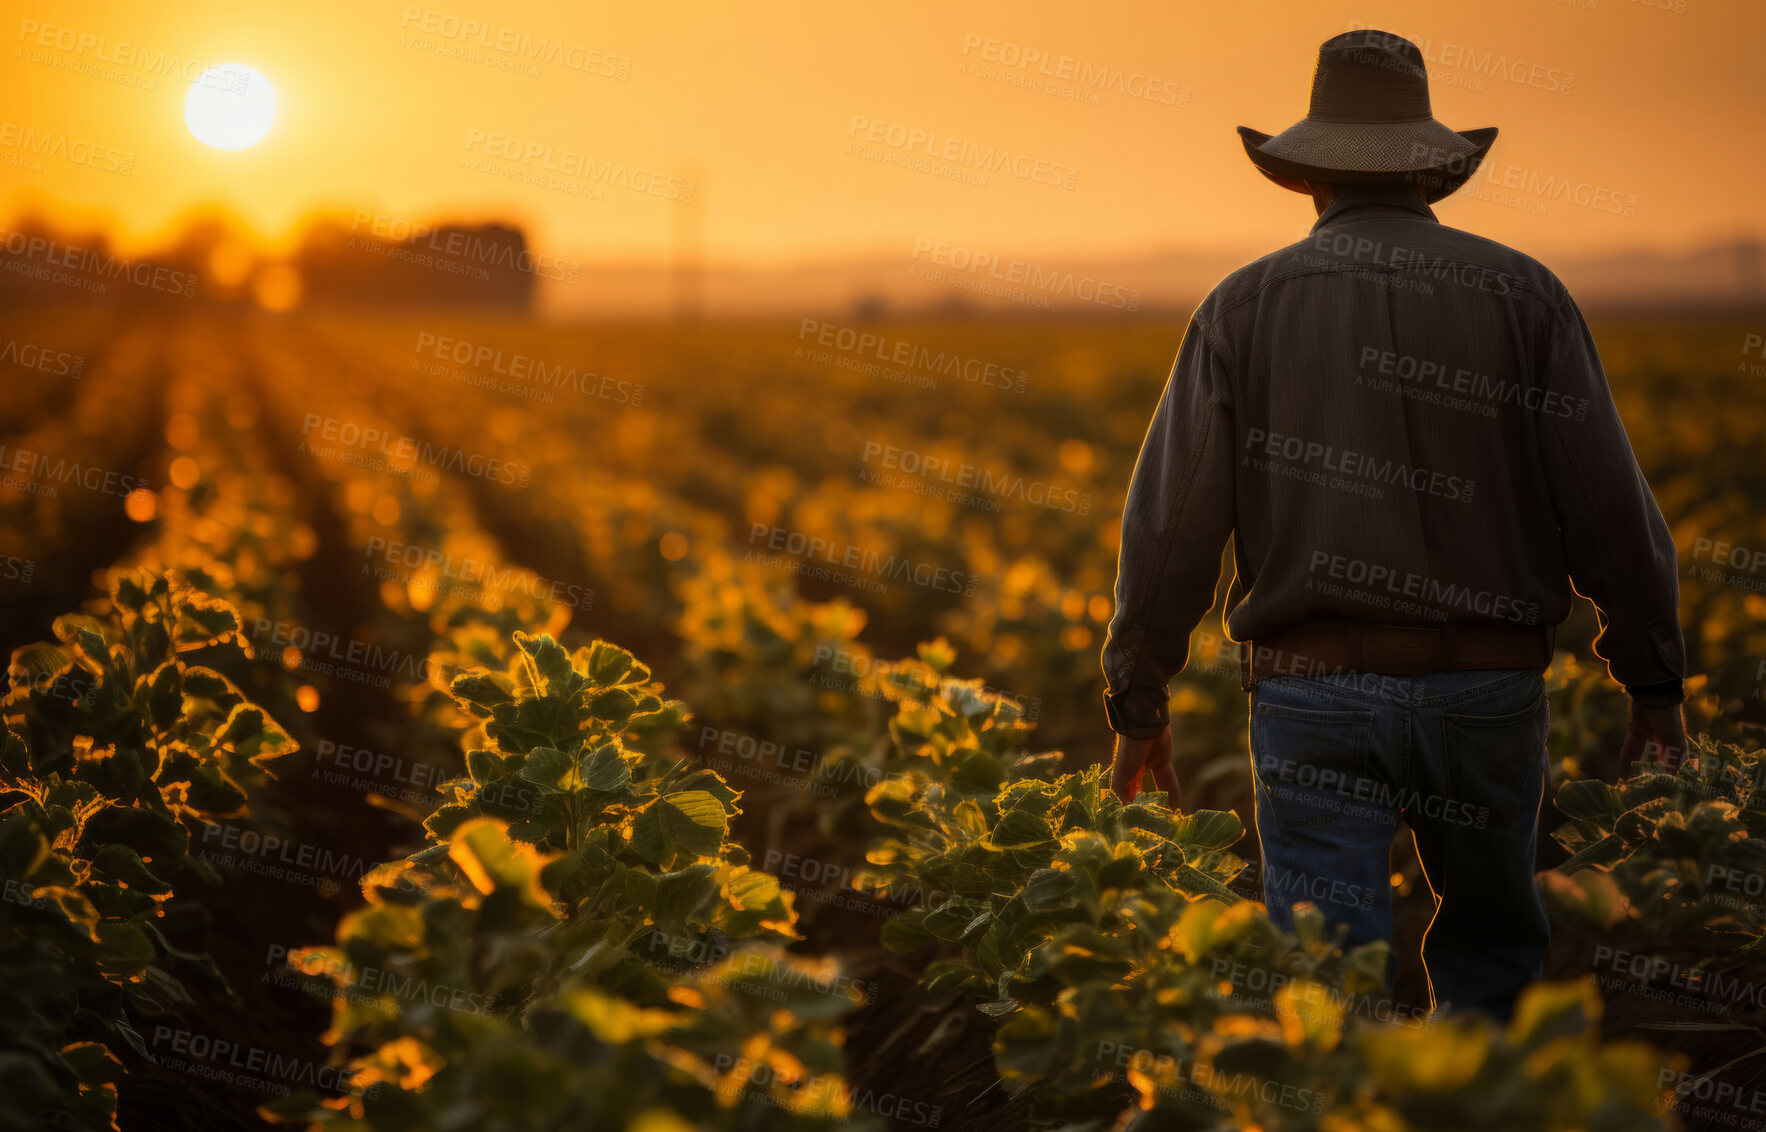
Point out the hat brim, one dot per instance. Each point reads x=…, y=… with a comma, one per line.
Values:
x=1438, y=158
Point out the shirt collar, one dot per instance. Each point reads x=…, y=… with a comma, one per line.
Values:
x=1374, y=199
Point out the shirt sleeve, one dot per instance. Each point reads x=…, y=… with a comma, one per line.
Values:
x=1177, y=516
x=1618, y=548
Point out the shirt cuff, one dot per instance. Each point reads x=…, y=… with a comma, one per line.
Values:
x=1663, y=695
x=1138, y=713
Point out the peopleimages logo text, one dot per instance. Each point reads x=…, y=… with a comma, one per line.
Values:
x=962, y=474
x=466, y=246
x=516, y=43
x=1019, y=273
x=574, y=164
x=896, y=351
x=1082, y=73
x=409, y=449
x=97, y=265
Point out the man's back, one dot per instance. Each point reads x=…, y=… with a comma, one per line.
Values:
x=1407, y=366
x=1410, y=426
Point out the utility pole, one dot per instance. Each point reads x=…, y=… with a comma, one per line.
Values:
x=687, y=272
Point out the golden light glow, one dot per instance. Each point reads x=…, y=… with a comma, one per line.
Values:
x=141, y=505
x=1623, y=98
x=277, y=287
x=386, y=510
x=230, y=106
x=185, y=472
x=182, y=431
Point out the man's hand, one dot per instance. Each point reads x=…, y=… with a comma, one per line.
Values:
x=1655, y=735
x=1134, y=757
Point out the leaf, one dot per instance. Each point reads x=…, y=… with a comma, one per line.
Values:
x=85, y=635
x=1197, y=884
x=950, y=920
x=125, y=865
x=1208, y=829
x=165, y=695
x=1438, y=1061
x=1606, y=851
x=202, y=621
x=1591, y=896
x=15, y=758
x=947, y=975
x=252, y=734
x=1027, y=1045
x=1589, y=800
x=609, y=665
x=1310, y=1014
x=483, y=766
x=614, y=1021
x=548, y=665
x=1548, y=1011
x=484, y=852
x=35, y=667
x=208, y=788
x=1022, y=830
x=22, y=848
x=613, y=706
x=687, y=822
x=93, y=1062
x=481, y=693
x=1209, y=927
x=606, y=770
x=680, y=894
x=907, y=934
x=74, y=905
x=978, y=773
x=1050, y=889
x=206, y=684
x=127, y=593
x=546, y=765
x=756, y=891
x=123, y=948
x=937, y=654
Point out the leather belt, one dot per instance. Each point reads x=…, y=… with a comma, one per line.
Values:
x=1324, y=648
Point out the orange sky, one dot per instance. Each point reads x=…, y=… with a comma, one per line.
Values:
x=1638, y=106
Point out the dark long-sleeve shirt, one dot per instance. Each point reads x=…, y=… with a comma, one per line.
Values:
x=1399, y=423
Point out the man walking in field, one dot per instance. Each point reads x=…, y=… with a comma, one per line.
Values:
x=1407, y=432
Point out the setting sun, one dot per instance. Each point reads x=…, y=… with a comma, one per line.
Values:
x=231, y=106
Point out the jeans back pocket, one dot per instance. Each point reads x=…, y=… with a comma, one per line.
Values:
x=1311, y=765
x=1495, y=762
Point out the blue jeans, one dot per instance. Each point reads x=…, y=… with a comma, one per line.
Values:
x=1460, y=756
